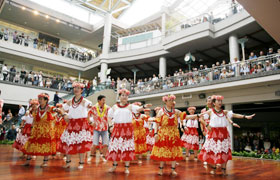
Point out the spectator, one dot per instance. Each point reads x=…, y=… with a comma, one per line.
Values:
x=252, y=56
x=26, y=41
x=22, y=76
x=223, y=74
x=15, y=37
x=1, y=34
x=267, y=145
x=2, y=133
x=21, y=113
x=5, y=72
x=6, y=34
x=12, y=73
x=17, y=77
x=56, y=98
x=12, y=133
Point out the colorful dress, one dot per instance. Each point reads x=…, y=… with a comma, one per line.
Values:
x=60, y=126
x=150, y=137
x=190, y=138
x=168, y=147
x=42, y=139
x=24, y=134
x=121, y=145
x=217, y=147
x=139, y=134
x=77, y=137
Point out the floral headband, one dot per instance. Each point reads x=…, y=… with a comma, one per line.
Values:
x=192, y=108
x=44, y=95
x=78, y=84
x=127, y=92
x=168, y=97
x=217, y=97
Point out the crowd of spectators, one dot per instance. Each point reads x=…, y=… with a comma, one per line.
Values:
x=43, y=45
x=203, y=73
x=255, y=142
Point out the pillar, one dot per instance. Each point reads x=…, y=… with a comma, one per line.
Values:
x=233, y=48
x=162, y=67
x=103, y=71
x=106, y=46
x=230, y=127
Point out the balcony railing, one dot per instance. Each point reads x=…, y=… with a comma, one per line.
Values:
x=262, y=66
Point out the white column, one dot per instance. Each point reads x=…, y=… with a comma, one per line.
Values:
x=107, y=34
x=106, y=46
x=103, y=70
x=79, y=78
x=233, y=48
x=230, y=128
x=162, y=67
x=163, y=24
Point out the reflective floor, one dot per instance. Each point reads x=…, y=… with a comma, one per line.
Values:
x=239, y=168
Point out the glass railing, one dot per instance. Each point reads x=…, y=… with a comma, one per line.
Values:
x=137, y=45
x=217, y=74
x=70, y=53
x=207, y=17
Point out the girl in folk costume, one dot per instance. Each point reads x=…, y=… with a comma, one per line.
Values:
x=167, y=139
x=190, y=138
x=121, y=145
x=150, y=137
x=98, y=116
x=42, y=139
x=139, y=133
x=77, y=137
x=202, y=125
x=217, y=147
x=60, y=126
x=26, y=126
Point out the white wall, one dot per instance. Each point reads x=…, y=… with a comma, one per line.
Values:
x=14, y=94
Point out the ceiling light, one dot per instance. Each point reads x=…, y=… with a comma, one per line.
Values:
x=23, y=8
x=35, y=12
x=47, y=16
x=57, y=20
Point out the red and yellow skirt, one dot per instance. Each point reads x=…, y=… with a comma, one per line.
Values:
x=22, y=137
x=217, y=147
x=169, y=146
x=77, y=137
x=140, y=140
x=121, y=145
x=190, y=139
x=60, y=126
x=41, y=141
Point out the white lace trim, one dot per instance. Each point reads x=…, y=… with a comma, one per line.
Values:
x=217, y=147
x=190, y=139
x=121, y=144
x=21, y=139
x=150, y=140
x=76, y=138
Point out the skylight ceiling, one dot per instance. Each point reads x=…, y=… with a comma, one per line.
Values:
x=71, y=10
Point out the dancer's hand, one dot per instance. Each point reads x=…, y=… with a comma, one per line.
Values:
x=204, y=133
x=186, y=129
x=235, y=125
x=156, y=138
x=111, y=129
x=148, y=105
x=209, y=128
x=250, y=117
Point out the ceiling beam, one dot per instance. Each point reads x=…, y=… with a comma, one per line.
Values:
x=152, y=66
x=206, y=55
x=221, y=51
x=176, y=61
x=255, y=39
x=138, y=67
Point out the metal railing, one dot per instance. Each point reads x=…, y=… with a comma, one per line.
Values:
x=206, y=17
x=218, y=74
x=69, y=53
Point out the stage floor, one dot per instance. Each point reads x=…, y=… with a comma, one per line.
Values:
x=238, y=169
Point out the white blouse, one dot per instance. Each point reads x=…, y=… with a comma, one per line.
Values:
x=122, y=115
x=79, y=112
x=216, y=121
x=28, y=119
x=192, y=123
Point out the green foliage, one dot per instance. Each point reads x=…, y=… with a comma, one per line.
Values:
x=6, y=141
x=253, y=154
